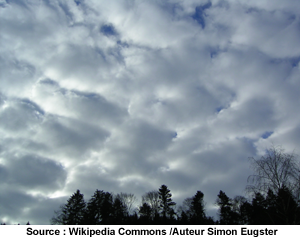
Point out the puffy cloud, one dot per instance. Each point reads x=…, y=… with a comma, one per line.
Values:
x=126, y=96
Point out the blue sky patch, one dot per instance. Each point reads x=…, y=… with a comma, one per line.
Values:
x=123, y=44
x=266, y=134
x=295, y=61
x=78, y=2
x=108, y=30
x=174, y=135
x=200, y=14
x=219, y=109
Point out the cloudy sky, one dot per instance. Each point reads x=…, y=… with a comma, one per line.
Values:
x=124, y=96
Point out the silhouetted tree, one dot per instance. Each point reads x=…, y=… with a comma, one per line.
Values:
x=107, y=208
x=227, y=215
x=275, y=170
x=145, y=212
x=258, y=214
x=209, y=220
x=119, y=212
x=239, y=207
x=271, y=208
x=152, y=199
x=246, y=211
x=287, y=207
x=157, y=207
x=185, y=211
x=73, y=212
x=58, y=216
x=127, y=200
x=93, y=215
x=197, y=208
x=166, y=203
x=132, y=219
x=184, y=218
x=192, y=211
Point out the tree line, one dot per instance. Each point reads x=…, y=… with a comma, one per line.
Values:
x=274, y=198
x=158, y=208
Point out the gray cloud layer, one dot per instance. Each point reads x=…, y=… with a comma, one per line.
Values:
x=128, y=95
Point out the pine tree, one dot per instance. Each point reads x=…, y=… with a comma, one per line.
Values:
x=259, y=213
x=288, y=209
x=107, y=208
x=239, y=206
x=94, y=207
x=146, y=212
x=271, y=210
x=246, y=212
x=227, y=215
x=197, y=208
x=184, y=218
x=166, y=203
x=73, y=212
x=119, y=211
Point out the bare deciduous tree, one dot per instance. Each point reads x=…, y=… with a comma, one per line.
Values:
x=127, y=200
x=186, y=207
x=275, y=170
x=152, y=199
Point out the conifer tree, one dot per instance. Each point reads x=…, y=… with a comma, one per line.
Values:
x=107, y=208
x=288, y=209
x=119, y=211
x=197, y=208
x=166, y=203
x=146, y=212
x=227, y=215
x=259, y=214
x=73, y=212
x=94, y=207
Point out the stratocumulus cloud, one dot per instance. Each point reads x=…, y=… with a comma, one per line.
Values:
x=127, y=95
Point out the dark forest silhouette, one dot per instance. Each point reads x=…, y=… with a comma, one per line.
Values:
x=273, y=190
x=104, y=208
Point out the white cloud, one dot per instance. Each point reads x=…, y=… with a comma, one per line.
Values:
x=126, y=96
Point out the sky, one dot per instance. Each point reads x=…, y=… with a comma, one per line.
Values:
x=124, y=96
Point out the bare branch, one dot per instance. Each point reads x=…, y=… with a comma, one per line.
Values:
x=275, y=170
